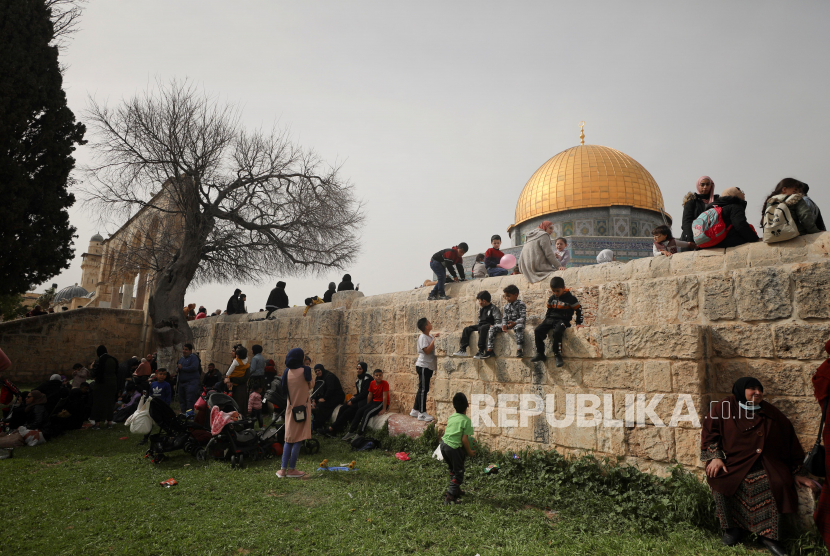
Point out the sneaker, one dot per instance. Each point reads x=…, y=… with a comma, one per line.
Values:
x=281, y=474
x=110, y=425
x=414, y=413
x=519, y=353
x=294, y=474
x=538, y=358
x=443, y=296
x=449, y=499
x=478, y=355
x=425, y=417
x=488, y=354
x=559, y=361
x=348, y=436
x=431, y=298
x=95, y=428
x=460, y=353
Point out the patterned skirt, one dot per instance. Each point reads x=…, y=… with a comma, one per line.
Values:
x=752, y=507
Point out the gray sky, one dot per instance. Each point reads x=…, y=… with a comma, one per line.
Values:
x=442, y=111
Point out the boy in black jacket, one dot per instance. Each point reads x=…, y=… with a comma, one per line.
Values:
x=443, y=261
x=562, y=305
x=488, y=315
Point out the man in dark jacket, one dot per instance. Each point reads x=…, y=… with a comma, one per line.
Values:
x=328, y=394
x=562, y=305
x=695, y=203
x=329, y=292
x=733, y=211
x=189, y=371
x=106, y=388
x=233, y=302
x=277, y=299
x=346, y=284
x=349, y=409
x=447, y=260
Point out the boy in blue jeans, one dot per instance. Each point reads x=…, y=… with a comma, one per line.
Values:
x=443, y=261
x=492, y=258
x=455, y=447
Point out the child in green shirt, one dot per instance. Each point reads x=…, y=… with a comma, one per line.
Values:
x=455, y=447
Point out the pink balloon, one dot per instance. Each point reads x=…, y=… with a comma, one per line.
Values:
x=507, y=262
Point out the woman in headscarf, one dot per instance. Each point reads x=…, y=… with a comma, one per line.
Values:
x=605, y=256
x=296, y=384
x=346, y=284
x=277, y=299
x=330, y=292
x=821, y=389
x=537, y=259
x=106, y=389
x=733, y=210
x=695, y=203
x=37, y=419
x=752, y=455
x=328, y=394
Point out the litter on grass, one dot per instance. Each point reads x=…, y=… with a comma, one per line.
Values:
x=491, y=469
x=169, y=482
x=403, y=456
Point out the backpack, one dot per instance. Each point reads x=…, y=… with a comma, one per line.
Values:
x=364, y=444
x=709, y=229
x=779, y=224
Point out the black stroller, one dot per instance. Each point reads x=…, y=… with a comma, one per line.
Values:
x=237, y=441
x=176, y=433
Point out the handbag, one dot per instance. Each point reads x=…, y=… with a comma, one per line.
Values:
x=297, y=411
x=814, y=463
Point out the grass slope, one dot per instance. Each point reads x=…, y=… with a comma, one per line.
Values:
x=88, y=492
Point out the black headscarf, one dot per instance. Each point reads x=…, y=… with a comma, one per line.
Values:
x=321, y=367
x=739, y=389
x=294, y=359
x=101, y=350
x=363, y=366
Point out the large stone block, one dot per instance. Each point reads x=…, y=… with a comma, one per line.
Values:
x=718, y=298
x=654, y=443
x=742, y=340
x=613, y=374
x=613, y=302
x=657, y=376
x=800, y=341
x=687, y=446
x=653, y=301
x=812, y=290
x=672, y=341
x=613, y=341
x=783, y=379
x=583, y=343
x=763, y=294
x=687, y=291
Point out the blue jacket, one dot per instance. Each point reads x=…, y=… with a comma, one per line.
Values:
x=190, y=368
x=162, y=391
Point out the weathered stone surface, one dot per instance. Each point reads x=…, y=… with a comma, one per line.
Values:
x=613, y=342
x=657, y=376
x=672, y=341
x=687, y=290
x=687, y=445
x=583, y=343
x=763, y=294
x=761, y=254
x=812, y=290
x=653, y=301
x=600, y=375
x=613, y=302
x=800, y=341
x=718, y=298
x=655, y=443
x=688, y=377
x=742, y=340
x=783, y=379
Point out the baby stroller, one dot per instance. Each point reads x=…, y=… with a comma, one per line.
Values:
x=237, y=441
x=176, y=432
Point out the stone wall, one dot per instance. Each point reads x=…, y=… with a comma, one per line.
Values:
x=41, y=346
x=684, y=327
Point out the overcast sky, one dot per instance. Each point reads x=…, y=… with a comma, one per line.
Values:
x=442, y=111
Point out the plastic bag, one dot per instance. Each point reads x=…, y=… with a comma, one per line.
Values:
x=140, y=422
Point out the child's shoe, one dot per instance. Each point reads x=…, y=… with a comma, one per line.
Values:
x=519, y=353
x=488, y=354
x=294, y=474
x=538, y=358
x=559, y=361
x=449, y=499
x=414, y=413
x=425, y=417
x=281, y=474
x=460, y=353
x=431, y=298
x=479, y=355
x=443, y=296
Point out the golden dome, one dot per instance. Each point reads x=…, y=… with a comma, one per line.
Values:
x=588, y=176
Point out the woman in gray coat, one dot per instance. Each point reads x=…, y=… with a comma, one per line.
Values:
x=537, y=260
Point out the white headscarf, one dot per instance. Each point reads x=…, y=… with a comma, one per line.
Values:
x=605, y=256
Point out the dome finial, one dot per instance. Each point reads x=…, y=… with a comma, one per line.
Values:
x=581, y=133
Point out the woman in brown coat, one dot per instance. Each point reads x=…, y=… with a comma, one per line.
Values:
x=752, y=456
x=296, y=387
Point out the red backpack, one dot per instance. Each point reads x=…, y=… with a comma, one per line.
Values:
x=709, y=228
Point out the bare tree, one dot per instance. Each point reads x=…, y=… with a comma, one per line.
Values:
x=238, y=205
x=66, y=15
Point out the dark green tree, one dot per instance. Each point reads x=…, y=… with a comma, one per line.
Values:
x=38, y=134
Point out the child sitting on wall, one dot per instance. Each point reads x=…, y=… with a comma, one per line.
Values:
x=488, y=315
x=492, y=258
x=514, y=318
x=665, y=244
x=562, y=305
x=479, y=270
x=561, y=252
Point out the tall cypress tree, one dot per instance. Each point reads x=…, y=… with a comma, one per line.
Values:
x=38, y=134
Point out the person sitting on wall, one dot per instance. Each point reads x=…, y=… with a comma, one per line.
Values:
x=233, y=303
x=606, y=256
x=562, y=253
x=789, y=192
x=538, y=260
x=753, y=462
x=479, y=270
x=733, y=210
x=329, y=292
x=277, y=299
x=346, y=284
x=311, y=302
x=492, y=258
x=202, y=314
x=36, y=312
x=695, y=203
x=190, y=312
x=805, y=189
x=665, y=244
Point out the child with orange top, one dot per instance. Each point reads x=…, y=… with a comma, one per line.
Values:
x=562, y=305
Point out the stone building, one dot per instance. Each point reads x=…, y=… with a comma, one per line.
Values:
x=598, y=198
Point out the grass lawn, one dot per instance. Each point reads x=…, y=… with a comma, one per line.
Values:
x=89, y=492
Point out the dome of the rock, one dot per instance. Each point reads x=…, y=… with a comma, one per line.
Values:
x=588, y=176
x=69, y=292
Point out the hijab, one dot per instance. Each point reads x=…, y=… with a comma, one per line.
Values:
x=363, y=366
x=605, y=256
x=101, y=350
x=332, y=286
x=281, y=285
x=711, y=193
x=321, y=367
x=740, y=386
x=733, y=192
x=545, y=225
x=294, y=359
